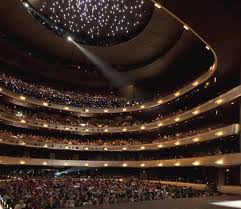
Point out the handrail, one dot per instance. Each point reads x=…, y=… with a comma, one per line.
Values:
x=211, y=104
x=214, y=160
x=196, y=138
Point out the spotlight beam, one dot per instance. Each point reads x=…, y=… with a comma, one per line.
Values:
x=111, y=74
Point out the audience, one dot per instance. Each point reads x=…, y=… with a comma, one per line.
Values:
x=68, y=192
x=63, y=97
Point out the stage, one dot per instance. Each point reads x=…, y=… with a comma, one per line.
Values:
x=190, y=203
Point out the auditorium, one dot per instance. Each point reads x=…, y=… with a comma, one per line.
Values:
x=120, y=104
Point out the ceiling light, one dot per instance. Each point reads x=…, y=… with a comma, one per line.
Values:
x=142, y=165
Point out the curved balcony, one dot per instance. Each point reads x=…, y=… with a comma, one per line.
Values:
x=215, y=160
x=22, y=99
x=214, y=103
x=158, y=144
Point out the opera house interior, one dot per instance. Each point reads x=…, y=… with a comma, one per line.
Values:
x=120, y=103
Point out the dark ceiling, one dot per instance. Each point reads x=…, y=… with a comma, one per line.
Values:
x=163, y=51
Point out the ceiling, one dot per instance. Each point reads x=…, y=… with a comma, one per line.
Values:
x=150, y=54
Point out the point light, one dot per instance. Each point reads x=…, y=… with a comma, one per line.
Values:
x=160, y=101
x=160, y=164
x=219, y=101
x=196, y=163
x=142, y=106
x=124, y=165
x=177, y=119
x=69, y=38
x=157, y=5
x=177, y=164
x=219, y=162
x=143, y=127
x=45, y=104
x=22, y=97
x=105, y=165
x=219, y=133
x=185, y=27
x=196, y=139
x=160, y=146
x=22, y=162
x=195, y=112
x=142, y=165
x=177, y=94
x=160, y=124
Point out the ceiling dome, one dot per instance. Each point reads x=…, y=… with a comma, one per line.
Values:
x=93, y=22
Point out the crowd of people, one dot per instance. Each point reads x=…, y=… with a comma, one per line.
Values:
x=63, y=96
x=68, y=120
x=68, y=192
x=18, y=137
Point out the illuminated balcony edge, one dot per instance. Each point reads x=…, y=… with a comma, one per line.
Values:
x=147, y=105
x=211, y=104
x=227, y=160
x=157, y=144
